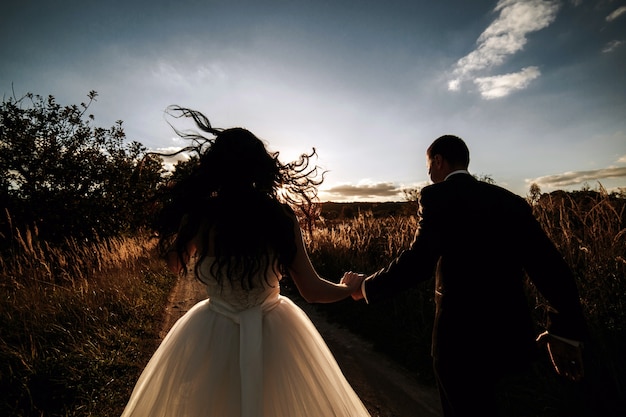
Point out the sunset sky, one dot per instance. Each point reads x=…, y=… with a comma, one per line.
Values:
x=537, y=88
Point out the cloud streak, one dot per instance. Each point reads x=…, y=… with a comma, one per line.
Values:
x=578, y=177
x=361, y=192
x=501, y=85
x=612, y=46
x=616, y=13
x=505, y=36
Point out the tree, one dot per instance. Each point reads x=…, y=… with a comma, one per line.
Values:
x=67, y=177
x=534, y=193
x=411, y=195
x=485, y=178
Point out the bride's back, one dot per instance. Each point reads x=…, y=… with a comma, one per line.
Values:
x=245, y=240
x=233, y=291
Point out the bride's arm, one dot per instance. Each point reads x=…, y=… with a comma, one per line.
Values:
x=312, y=287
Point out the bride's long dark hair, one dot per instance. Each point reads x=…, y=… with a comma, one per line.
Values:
x=238, y=198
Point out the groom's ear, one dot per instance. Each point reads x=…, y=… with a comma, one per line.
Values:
x=438, y=161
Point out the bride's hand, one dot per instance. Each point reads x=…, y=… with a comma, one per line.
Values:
x=352, y=280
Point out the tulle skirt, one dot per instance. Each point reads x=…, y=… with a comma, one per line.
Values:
x=196, y=369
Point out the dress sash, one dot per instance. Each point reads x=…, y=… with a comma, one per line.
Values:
x=250, y=350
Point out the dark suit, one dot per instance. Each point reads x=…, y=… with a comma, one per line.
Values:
x=481, y=239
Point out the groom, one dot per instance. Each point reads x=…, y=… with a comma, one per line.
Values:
x=479, y=240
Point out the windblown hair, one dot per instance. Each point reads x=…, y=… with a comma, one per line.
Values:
x=239, y=198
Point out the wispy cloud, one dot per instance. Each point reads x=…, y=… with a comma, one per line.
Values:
x=505, y=36
x=501, y=85
x=611, y=46
x=616, y=13
x=578, y=177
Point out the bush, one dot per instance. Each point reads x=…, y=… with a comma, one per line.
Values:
x=66, y=177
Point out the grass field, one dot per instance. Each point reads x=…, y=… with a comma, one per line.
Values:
x=81, y=319
x=78, y=324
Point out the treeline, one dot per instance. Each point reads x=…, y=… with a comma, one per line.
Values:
x=342, y=211
x=584, y=200
x=66, y=177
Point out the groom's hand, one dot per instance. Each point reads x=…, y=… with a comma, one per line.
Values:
x=354, y=281
x=566, y=358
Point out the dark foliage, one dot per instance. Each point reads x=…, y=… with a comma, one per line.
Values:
x=342, y=211
x=66, y=177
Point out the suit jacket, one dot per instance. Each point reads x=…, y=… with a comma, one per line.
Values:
x=480, y=240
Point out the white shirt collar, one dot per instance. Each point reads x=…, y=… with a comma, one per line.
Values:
x=458, y=171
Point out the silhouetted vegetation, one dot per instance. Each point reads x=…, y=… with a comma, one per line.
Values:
x=82, y=289
x=69, y=178
x=331, y=211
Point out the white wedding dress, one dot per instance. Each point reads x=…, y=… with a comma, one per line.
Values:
x=247, y=353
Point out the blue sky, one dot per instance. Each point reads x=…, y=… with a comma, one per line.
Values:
x=537, y=88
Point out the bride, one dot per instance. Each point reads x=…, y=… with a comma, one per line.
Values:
x=246, y=350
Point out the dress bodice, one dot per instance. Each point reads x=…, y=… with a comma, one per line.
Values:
x=232, y=293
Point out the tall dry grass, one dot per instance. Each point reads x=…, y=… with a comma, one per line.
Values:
x=80, y=320
x=399, y=327
x=590, y=231
x=78, y=323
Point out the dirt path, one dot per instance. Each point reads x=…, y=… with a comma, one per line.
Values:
x=386, y=389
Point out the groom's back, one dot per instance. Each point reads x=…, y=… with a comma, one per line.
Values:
x=480, y=274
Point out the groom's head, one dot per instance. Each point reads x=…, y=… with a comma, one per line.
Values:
x=446, y=154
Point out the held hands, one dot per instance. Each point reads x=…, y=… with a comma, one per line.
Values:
x=353, y=281
x=566, y=358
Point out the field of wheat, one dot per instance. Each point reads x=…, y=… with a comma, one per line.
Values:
x=80, y=319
